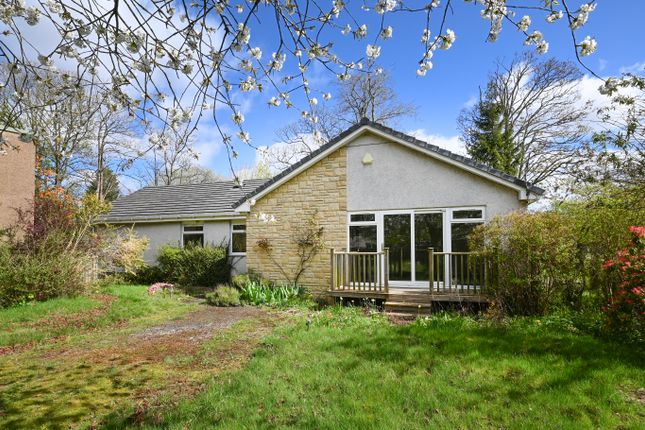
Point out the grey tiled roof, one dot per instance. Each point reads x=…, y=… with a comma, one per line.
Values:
x=410, y=139
x=180, y=201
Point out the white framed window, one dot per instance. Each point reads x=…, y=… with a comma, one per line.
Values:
x=192, y=235
x=463, y=221
x=238, y=238
x=363, y=232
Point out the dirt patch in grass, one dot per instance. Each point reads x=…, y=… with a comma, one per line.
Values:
x=75, y=382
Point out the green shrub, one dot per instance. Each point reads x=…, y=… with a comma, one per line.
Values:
x=240, y=280
x=204, y=266
x=259, y=293
x=223, y=296
x=534, y=261
x=39, y=276
x=601, y=219
x=168, y=262
x=146, y=275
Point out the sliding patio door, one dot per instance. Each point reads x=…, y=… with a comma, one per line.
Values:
x=428, y=233
x=397, y=236
x=408, y=237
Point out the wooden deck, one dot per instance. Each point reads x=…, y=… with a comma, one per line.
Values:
x=452, y=277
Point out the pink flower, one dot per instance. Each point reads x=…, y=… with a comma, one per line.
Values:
x=160, y=286
x=639, y=230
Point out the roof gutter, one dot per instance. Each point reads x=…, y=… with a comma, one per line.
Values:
x=174, y=218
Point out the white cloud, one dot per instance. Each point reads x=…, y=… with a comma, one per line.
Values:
x=602, y=64
x=450, y=143
x=472, y=100
x=634, y=68
x=206, y=144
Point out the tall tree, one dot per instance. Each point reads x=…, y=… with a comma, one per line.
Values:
x=619, y=144
x=365, y=95
x=488, y=139
x=112, y=146
x=531, y=121
x=106, y=186
x=172, y=160
x=371, y=96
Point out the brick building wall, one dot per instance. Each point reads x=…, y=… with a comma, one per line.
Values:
x=17, y=178
x=320, y=190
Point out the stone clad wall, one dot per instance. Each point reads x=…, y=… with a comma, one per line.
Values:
x=321, y=189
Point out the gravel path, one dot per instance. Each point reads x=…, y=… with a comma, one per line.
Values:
x=200, y=325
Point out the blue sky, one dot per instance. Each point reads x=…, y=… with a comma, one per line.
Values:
x=457, y=73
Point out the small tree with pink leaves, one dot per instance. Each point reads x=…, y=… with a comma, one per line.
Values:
x=626, y=311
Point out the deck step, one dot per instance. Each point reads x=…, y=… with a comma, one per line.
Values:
x=410, y=298
x=410, y=308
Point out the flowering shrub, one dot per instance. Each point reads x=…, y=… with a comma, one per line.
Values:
x=161, y=287
x=47, y=252
x=626, y=311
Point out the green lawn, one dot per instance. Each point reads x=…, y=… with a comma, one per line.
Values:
x=79, y=363
x=346, y=371
x=39, y=321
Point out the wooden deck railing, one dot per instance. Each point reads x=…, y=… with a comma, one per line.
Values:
x=457, y=272
x=360, y=271
x=448, y=272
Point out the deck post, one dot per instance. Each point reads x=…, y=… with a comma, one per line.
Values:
x=431, y=268
x=333, y=268
x=386, y=270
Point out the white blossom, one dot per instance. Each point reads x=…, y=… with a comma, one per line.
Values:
x=266, y=218
x=542, y=47
x=313, y=101
x=448, y=39
x=326, y=96
x=588, y=46
x=383, y=6
x=554, y=16
x=346, y=30
x=278, y=61
x=424, y=67
x=583, y=15
x=524, y=23
x=533, y=38
x=238, y=118
x=373, y=51
x=361, y=32
x=256, y=53
x=244, y=136
x=425, y=36
x=274, y=101
x=249, y=84
x=338, y=5
x=343, y=76
x=32, y=16
x=386, y=33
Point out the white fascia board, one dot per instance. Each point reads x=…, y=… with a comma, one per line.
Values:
x=192, y=218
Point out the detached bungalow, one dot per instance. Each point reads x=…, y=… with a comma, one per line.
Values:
x=395, y=213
